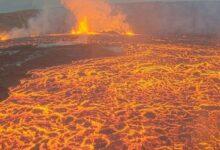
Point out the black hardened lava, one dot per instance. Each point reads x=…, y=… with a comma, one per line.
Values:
x=16, y=61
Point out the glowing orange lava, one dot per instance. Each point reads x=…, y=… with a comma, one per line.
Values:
x=4, y=37
x=130, y=33
x=157, y=95
x=82, y=27
x=96, y=16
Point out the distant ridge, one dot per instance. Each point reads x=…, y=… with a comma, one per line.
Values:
x=15, y=19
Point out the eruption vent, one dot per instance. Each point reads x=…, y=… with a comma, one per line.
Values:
x=95, y=16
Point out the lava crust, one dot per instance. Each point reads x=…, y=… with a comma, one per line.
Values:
x=161, y=93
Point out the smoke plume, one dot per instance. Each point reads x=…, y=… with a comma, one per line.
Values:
x=48, y=20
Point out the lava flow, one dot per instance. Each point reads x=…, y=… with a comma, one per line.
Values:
x=154, y=96
x=103, y=87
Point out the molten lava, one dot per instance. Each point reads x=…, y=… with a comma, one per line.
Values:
x=4, y=37
x=97, y=16
x=82, y=27
x=158, y=94
x=130, y=33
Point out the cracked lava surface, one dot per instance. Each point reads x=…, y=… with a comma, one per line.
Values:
x=157, y=95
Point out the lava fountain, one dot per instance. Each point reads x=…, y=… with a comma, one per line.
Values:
x=96, y=16
x=82, y=27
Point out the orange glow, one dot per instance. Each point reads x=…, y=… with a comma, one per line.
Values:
x=4, y=37
x=96, y=16
x=130, y=33
x=82, y=27
x=113, y=101
x=142, y=99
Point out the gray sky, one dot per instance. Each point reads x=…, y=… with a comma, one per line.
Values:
x=13, y=5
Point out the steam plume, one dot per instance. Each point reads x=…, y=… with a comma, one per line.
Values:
x=47, y=21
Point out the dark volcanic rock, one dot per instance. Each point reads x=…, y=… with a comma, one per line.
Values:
x=3, y=93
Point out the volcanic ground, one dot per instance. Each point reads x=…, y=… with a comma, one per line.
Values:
x=110, y=92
